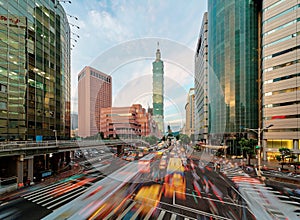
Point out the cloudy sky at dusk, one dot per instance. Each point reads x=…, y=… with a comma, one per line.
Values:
x=120, y=38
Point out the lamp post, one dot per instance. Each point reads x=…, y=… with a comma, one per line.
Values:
x=55, y=133
x=258, y=132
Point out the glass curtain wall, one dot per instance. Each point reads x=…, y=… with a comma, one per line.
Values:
x=233, y=69
x=34, y=70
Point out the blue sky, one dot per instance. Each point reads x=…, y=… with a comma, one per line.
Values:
x=120, y=38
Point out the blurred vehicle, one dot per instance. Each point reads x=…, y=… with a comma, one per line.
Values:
x=175, y=182
x=175, y=179
x=149, y=196
x=144, y=163
x=163, y=164
x=130, y=158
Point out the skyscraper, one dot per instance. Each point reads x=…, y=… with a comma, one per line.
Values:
x=280, y=76
x=34, y=70
x=158, y=91
x=233, y=69
x=201, y=83
x=94, y=93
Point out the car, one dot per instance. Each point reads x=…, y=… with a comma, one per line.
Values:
x=163, y=164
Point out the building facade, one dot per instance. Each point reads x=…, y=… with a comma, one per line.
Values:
x=158, y=91
x=233, y=70
x=94, y=93
x=34, y=70
x=201, y=84
x=190, y=114
x=280, y=62
x=125, y=122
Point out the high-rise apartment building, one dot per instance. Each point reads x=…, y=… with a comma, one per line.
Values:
x=34, y=70
x=158, y=91
x=280, y=75
x=94, y=93
x=201, y=84
x=190, y=114
x=233, y=69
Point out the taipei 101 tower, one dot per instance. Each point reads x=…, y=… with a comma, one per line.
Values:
x=158, y=91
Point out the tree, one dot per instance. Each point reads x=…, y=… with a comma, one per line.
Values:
x=248, y=148
x=284, y=154
x=151, y=139
x=184, y=138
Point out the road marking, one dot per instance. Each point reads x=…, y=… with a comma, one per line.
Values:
x=126, y=210
x=202, y=212
x=62, y=189
x=66, y=199
x=42, y=192
x=114, y=211
x=210, y=199
x=173, y=217
x=161, y=215
x=28, y=195
x=59, y=198
x=137, y=213
x=149, y=214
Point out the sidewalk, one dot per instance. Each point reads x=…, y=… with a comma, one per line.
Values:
x=47, y=181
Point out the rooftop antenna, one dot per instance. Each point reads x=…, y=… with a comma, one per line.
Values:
x=158, y=55
x=61, y=1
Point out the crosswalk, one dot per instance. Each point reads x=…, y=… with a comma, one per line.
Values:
x=233, y=172
x=57, y=194
x=271, y=202
x=135, y=210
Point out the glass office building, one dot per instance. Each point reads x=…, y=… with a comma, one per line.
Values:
x=233, y=69
x=34, y=70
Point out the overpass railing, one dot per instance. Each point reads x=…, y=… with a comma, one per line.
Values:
x=27, y=145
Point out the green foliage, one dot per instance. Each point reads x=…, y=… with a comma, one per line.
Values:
x=219, y=153
x=278, y=157
x=285, y=153
x=151, y=139
x=197, y=147
x=185, y=139
x=248, y=147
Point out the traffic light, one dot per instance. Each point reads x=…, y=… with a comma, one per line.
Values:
x=257, y=147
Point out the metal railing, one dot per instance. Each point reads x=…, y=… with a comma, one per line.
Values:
x=27, y=145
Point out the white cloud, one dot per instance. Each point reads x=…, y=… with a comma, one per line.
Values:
x=105, y=24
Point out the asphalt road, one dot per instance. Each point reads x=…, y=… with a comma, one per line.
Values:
x=111, y=188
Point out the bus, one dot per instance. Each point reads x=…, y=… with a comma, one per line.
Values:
x=144, y=163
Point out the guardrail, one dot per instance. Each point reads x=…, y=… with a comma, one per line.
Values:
x=28, y=145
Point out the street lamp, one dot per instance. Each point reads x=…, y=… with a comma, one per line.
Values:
x=55, y=133
x=258, y=132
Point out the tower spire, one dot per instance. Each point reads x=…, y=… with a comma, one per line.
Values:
x=158, y=55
